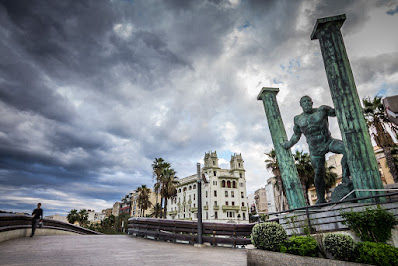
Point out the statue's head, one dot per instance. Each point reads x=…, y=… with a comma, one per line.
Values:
x=306, y=103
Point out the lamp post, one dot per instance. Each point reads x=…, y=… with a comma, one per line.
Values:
x=199, y=180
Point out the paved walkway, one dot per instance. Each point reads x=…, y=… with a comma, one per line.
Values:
x=112, y=250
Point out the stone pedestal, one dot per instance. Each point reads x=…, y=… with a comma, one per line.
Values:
x=290, y=177
x=360, y=155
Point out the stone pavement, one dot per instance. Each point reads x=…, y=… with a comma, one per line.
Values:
x=112, y=250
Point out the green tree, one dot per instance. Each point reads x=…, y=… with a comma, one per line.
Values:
x=83, y=217
x=330, y=177
x=378, y=123
x=156, y=209
x=273, y=166
x=305, y=171
x=143, y=198
x=158, y=167
x=73, y=216
x=169, y=186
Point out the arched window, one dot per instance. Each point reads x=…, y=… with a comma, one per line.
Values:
x=234, y=184
x=223, y=183
x=229, y=184
x=194, y=186
x=190, y=188
x=185, y=189
x=179, y=191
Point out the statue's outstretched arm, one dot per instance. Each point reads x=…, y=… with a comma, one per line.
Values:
x=294, y=139
x=329, y=110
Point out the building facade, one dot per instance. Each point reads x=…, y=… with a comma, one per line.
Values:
x=260, y=198
x=224, y=198
x=129, y=204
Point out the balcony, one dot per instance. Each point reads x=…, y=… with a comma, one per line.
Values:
x=243, y=208
x=216, y=207
x=206, y=207
x=230, y=208
x=194, y=209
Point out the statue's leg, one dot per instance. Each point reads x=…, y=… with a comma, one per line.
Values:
x=318, y=162
x=337, y=146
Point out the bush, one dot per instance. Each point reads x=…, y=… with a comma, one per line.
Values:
x=302, y=245
x=376, y=253
x=371, y=224
x=342, y=247
x=268, y=236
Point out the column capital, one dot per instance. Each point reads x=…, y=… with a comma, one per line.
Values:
x=265, y=90
x=322, y=22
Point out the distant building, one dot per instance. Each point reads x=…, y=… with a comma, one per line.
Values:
x=130, y=206
x=269, y=190
x=57, y=217
x=116, y=208
x=95, y=217
x=224, y=198
x=107, y=212
x=260, y=197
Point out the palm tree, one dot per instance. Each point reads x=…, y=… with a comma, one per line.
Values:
x=378, y=123
x=169, y=186
x=73, y=216
x=330, y=178
x=143, y=198
x=83, y=217
x=156, y=209
x=158, y=166
x=272, y=164
x=305, y=171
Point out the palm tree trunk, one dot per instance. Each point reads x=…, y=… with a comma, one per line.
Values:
x=390, y=163
x=165, y=208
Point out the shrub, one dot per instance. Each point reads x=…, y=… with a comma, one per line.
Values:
x=376, y=253
x=342, y=247
x=268, y=236
x=371, y=224
x=302, y=245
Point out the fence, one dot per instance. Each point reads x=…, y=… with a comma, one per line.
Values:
x=9, y=222
x=186, y=231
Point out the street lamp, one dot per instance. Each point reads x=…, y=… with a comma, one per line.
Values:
x=199, y=180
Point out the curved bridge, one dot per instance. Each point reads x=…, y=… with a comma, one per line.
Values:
x=14, y=226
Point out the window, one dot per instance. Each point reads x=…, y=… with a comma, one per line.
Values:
x=194, y=186
x=233, y=203
x=229, y=184
x=240, y=175
x=185, y=189
x=232, y=194
x=206, y=193
x=214, y=162
x=207, y=216
x=207, y=203
x=244, y=216
x=241, y=184
x=223, y=183
x=194, y=205
x=189, y=197
x=194, y=196
x=215, y=193
x=215, y=183
x=243, y=204
x=190, y=188
x=226, y=193
x=226, y=203
x=242, y=195
x=234, y=184
x=179, y=191
x=239, y=164
x=215, y=215
x=215, y=203
x=215, y=173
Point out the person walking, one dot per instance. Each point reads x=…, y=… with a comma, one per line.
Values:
x=37, y=217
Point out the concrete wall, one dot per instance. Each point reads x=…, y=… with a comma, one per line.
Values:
x=7, y=235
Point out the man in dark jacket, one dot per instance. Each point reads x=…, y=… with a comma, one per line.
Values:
x=37, y=217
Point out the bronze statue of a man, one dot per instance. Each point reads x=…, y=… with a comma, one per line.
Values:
x=313, y=123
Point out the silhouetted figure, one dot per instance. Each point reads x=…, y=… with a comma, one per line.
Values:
x=37, y=217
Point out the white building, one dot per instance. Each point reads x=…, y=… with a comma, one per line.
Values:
x=224, y=198
x=95, y=217
x=269, y=188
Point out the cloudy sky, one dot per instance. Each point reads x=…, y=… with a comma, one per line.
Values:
x=91, y=92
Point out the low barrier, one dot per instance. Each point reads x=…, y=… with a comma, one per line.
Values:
x=186, y=231
x=13, y=222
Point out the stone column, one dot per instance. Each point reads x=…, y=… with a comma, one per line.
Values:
x=290, y=177
x=355, y=134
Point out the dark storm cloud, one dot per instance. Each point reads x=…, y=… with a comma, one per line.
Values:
x=92, y=91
